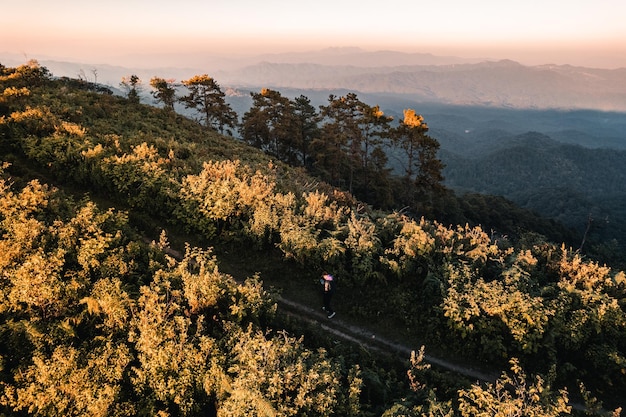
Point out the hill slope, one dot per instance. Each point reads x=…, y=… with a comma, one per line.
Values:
x=181, y=336
x=568, y=183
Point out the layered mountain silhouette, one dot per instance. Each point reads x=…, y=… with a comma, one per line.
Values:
x=496, y=84
x=420, y=77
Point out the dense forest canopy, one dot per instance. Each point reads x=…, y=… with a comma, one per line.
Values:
x=95, y=321
x=579, y=187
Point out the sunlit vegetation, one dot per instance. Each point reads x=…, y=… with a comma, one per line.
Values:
x=96, y=322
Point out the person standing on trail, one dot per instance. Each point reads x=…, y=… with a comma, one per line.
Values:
x=328, y=285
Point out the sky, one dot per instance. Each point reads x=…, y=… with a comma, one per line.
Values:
x=578, y=32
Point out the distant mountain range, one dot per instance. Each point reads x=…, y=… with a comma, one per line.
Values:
x=421, y=78
x=358, y=57
x=505, y=84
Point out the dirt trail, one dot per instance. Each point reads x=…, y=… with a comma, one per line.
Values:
x=341, y=328
x=367, y=339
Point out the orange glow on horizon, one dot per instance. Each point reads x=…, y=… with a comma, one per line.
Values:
x=564, y=31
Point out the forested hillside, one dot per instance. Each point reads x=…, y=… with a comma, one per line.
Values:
x=567, y=166
x=95, y=321
x=579, y=187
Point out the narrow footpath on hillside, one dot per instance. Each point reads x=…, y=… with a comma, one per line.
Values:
x=342, y=328
x=368, y=339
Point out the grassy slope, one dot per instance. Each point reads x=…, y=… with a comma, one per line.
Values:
x=147, y=124
x=105, y=115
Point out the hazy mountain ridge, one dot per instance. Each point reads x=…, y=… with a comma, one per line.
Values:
x=187, y=64
x=498, y=84
x=361, y=58
x=465, y=129
x=420, y=77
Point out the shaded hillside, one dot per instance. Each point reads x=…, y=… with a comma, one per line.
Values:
x=474, y=130
x=566, y=182
x=532, y=160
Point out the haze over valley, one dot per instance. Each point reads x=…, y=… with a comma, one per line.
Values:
x=420, y=78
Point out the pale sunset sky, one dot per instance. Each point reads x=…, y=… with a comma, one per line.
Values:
x=579, y=32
